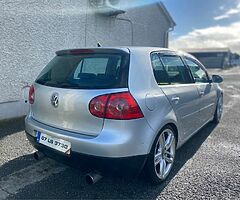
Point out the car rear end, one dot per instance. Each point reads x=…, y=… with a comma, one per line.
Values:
x=81, y=107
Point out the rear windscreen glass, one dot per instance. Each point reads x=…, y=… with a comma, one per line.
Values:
x=86, y=71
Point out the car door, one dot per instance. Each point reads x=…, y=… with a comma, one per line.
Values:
x=175, y=81
x=207, y=93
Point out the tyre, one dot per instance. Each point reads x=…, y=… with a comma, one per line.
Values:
x=162, y=155
x=219, y=110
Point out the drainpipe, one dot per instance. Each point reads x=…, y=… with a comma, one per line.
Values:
x=167, y=36
x=132, y=29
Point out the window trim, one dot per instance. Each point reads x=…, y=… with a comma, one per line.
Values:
x=171, y=53
x=200, y=65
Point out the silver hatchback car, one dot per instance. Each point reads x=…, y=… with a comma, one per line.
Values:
x=121, y=109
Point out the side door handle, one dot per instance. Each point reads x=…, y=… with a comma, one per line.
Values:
x=201, y=93
x=175, y=100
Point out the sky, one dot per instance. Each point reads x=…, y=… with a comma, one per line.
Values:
x=205, y=23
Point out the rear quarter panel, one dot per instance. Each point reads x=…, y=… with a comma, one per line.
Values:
x=149, y=96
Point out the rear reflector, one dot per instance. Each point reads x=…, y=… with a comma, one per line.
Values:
x=119, y=106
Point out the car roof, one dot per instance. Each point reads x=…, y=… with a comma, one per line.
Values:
x=134, y=49
x=161, y=50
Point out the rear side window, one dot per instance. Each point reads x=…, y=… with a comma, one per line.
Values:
x=169, y=69
x=86, y=71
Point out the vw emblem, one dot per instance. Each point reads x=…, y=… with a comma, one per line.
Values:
x=55, y=100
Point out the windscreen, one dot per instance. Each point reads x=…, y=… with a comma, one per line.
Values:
x=86, y=71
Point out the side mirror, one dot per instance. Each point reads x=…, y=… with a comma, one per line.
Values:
x=217, y=79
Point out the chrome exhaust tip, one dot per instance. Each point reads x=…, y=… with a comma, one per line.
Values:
x=92, y=177
x=38, y=155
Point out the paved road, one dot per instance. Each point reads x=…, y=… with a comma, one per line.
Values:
x=207, y=166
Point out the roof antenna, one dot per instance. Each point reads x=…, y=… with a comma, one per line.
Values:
x=99, y=44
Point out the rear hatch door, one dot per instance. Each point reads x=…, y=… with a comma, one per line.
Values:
x=64, y=89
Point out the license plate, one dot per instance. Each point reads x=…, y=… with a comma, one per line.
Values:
x=54, y=143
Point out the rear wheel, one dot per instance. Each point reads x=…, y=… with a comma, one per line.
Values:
x=219, y=110
x=162, y=155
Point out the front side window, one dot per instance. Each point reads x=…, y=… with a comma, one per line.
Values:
x=169, y=69
x=199, y=75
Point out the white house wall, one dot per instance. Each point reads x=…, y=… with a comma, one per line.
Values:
x=32, y=30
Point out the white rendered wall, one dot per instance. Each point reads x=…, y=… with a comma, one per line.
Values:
x=32, y=30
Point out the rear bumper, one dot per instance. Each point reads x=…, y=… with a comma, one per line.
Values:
x=117, y=139
x=119, y=145
x=117, y=166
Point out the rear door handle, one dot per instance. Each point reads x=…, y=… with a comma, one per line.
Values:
x=201, y=93
x=175, y=99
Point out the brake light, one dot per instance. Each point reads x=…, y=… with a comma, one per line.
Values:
x=80, y=51
x=120, y=106
x=31, y=96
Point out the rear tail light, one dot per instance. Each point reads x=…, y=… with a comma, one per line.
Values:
x=120, y=106
x=31, y=96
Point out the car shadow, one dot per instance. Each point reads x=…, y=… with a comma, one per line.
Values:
x=16, y=165
x=8, y=127
x=74, y=186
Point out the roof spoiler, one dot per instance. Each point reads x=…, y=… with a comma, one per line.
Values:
x=90, y=51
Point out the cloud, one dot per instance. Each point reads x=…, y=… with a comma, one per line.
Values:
x=229, y=13
x=212, y=37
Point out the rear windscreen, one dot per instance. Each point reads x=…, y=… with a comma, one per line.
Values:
x=86, y=71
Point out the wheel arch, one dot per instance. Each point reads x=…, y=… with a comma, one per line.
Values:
x=175, y=130
x=174, y=127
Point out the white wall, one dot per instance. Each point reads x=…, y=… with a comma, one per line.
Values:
x=32, y=30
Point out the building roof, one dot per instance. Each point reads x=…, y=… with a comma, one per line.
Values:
x=167, y=14
x=208, y=50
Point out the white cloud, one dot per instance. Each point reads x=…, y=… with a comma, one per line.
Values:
x=212, y=37
x=229, y=13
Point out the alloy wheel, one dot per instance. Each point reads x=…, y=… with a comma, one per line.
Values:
x=164, y=153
